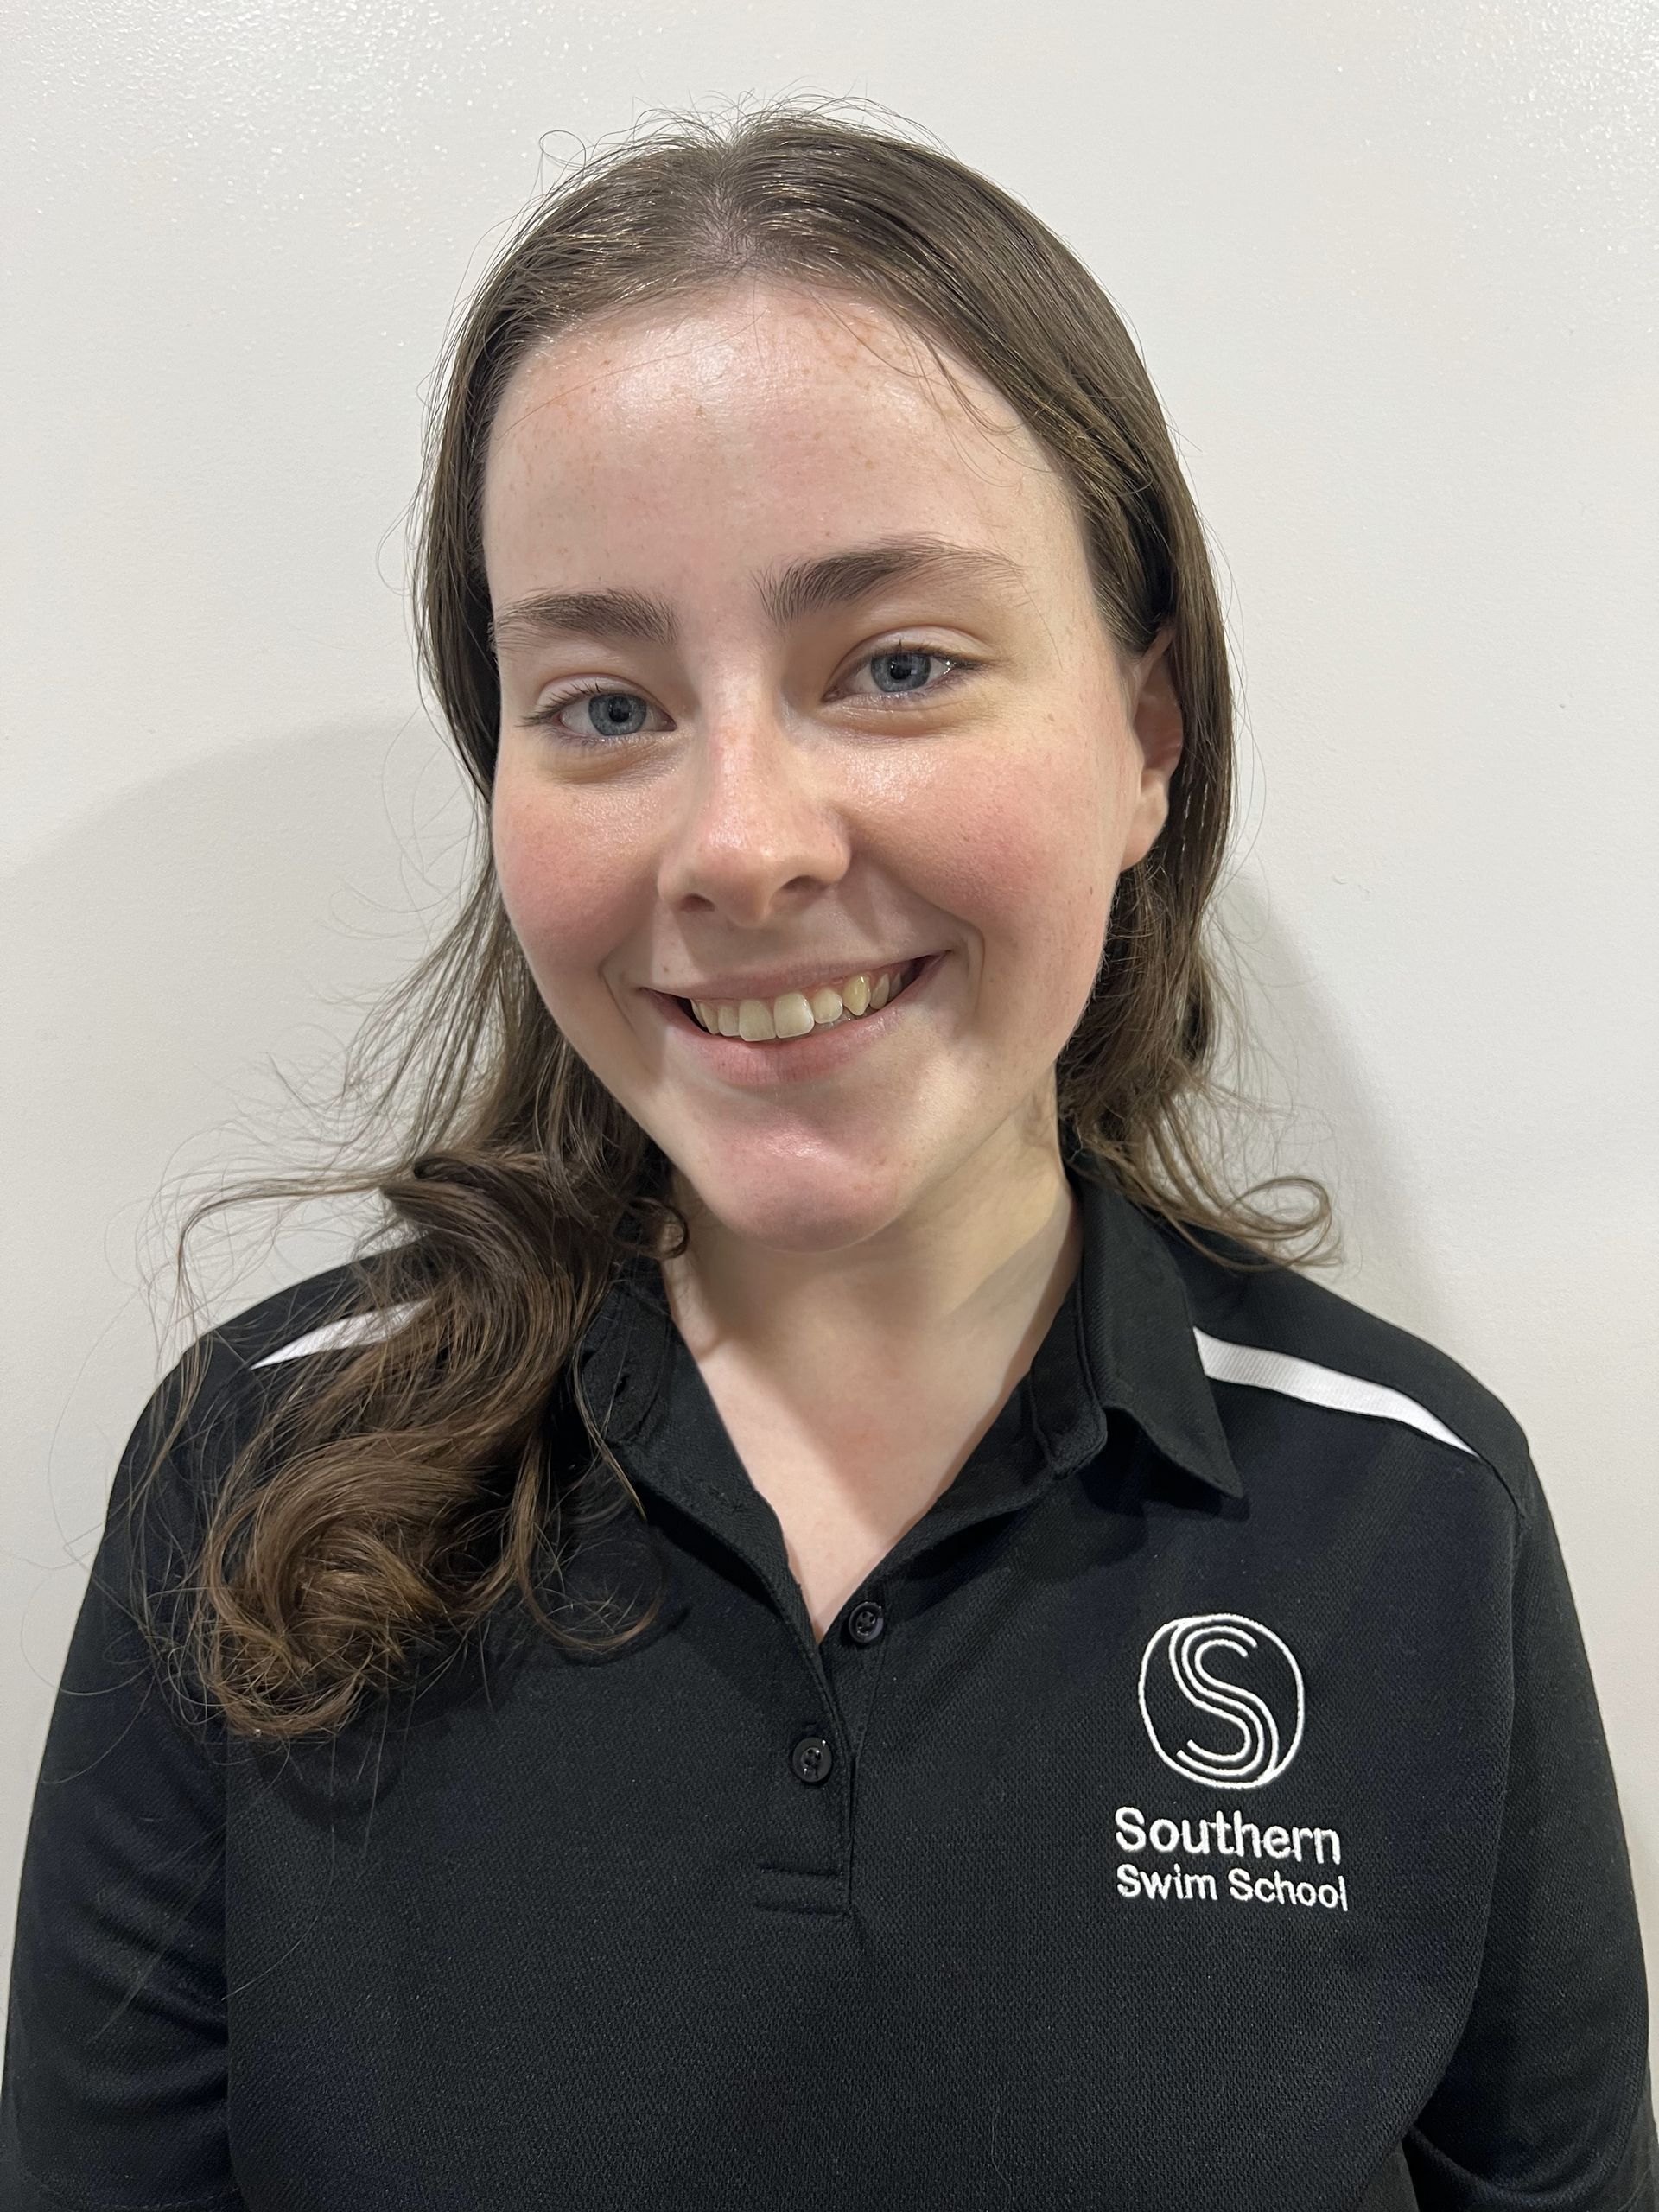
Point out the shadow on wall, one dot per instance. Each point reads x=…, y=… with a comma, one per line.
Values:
x=238, y=913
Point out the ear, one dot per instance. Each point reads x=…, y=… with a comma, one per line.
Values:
x=1155, y=718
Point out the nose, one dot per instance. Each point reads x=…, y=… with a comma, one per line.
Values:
x=760, y=813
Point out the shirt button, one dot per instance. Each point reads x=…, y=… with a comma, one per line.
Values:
x=866, y=1622
x=812, y=1759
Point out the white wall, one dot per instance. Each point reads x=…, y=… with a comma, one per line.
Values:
x=1391, y=267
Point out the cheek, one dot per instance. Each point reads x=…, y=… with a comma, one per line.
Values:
x=1024, y=860
x=561, y=884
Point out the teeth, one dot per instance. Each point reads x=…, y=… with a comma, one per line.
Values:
x=793, y=1013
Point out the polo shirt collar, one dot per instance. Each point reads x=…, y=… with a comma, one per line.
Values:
x=1122, y=1341
x=1138, y=1333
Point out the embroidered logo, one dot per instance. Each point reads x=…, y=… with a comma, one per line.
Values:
x=1259, y=1698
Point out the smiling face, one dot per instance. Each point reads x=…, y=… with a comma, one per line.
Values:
x=769, y=783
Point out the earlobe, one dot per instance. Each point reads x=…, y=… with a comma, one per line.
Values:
x=1150, y=813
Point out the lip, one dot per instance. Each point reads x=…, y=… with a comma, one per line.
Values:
x=769, y=1062
x=773, y=986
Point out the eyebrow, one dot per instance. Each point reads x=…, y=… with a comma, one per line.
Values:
x=807, y=587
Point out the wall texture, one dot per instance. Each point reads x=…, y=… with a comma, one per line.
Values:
x=1391, y=267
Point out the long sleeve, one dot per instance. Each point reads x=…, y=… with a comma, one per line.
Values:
x=115, y=2075
x=1547, y=2104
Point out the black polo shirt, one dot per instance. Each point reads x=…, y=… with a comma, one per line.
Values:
x=1203, y=1804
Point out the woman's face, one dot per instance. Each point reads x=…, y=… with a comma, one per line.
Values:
x=806, y=751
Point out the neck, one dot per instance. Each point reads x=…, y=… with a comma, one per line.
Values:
x=974, y=1273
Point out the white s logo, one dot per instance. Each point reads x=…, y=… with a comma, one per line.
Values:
x=1265, y=1707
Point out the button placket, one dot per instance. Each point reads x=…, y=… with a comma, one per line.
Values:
x=806, y=1845
x=853, y=1653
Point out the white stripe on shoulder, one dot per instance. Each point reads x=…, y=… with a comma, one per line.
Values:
x=355, y=1329
x=1320, y=1386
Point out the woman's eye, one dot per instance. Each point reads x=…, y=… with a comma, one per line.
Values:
x=611, y=717
x=907, y=667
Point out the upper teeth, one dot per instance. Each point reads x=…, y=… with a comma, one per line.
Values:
x=792, y=1013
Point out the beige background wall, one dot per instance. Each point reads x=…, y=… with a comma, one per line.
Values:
x=1392, y=269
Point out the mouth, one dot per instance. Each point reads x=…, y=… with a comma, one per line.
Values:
x=762, y=1062
x=905, y=975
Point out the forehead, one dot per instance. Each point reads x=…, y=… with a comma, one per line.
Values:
x=766, y=414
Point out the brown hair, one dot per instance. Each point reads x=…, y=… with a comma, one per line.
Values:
x=390, y=1498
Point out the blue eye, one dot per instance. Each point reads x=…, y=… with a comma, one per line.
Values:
x=913, y=657
x=611, y=713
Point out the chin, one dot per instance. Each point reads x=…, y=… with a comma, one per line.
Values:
x=803, y=1205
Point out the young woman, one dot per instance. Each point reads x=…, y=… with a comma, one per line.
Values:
x=823, y=1616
